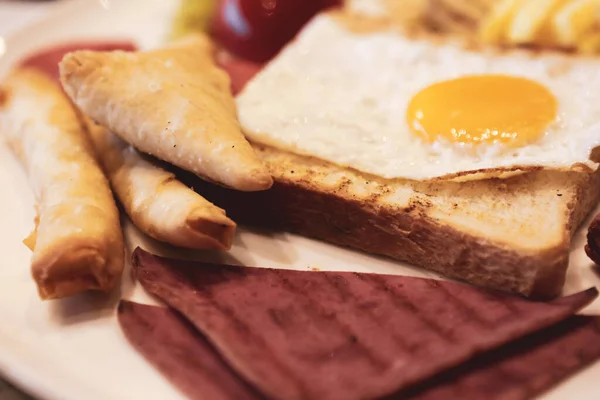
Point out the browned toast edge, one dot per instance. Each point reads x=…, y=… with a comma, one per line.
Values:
x=407, y=234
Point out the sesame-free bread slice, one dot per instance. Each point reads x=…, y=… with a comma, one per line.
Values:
x=508, y=234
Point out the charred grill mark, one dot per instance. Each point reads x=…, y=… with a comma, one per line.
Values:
x=521, y=370
x=471, y=314
x=365, y=309
x=201, y=290
x=296, y=365
x=166, y=339
x=341, y=327
x=251, y=335
x=404, y=302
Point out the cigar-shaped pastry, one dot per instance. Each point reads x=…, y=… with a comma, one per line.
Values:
x=78, y=242
x=157, y=203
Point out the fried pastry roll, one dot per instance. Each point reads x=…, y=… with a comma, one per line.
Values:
x=78, y=242
x=173, y=103
x=157, y=203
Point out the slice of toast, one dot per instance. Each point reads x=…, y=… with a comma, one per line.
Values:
x=507, y=234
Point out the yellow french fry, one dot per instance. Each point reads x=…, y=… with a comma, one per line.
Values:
x=493, y=28
x=590, y=43
x=528, y=22
x=575, y=19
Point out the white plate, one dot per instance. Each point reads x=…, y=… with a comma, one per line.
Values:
x=74, y=349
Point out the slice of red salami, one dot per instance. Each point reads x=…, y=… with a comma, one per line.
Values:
x=329, y=335
x=181, y=353
x=520, y=370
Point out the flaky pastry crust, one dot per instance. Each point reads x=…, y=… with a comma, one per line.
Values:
x=173, y=103
x=158, y=204
x=78, y=242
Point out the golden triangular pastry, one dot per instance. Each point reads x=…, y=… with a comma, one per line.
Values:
x=173, y=103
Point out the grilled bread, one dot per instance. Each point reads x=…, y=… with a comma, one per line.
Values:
x=506, y=234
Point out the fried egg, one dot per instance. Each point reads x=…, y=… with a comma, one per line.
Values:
x=397, y=107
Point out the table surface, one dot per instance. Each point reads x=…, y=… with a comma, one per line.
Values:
x=15, y=15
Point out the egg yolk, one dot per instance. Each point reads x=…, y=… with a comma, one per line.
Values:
x=477, y=109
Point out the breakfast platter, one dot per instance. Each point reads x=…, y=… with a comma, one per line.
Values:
x=79, y=344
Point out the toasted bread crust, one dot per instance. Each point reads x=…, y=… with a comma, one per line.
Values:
x=300, y=202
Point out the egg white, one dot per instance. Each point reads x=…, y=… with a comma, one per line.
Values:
x=342, y=97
